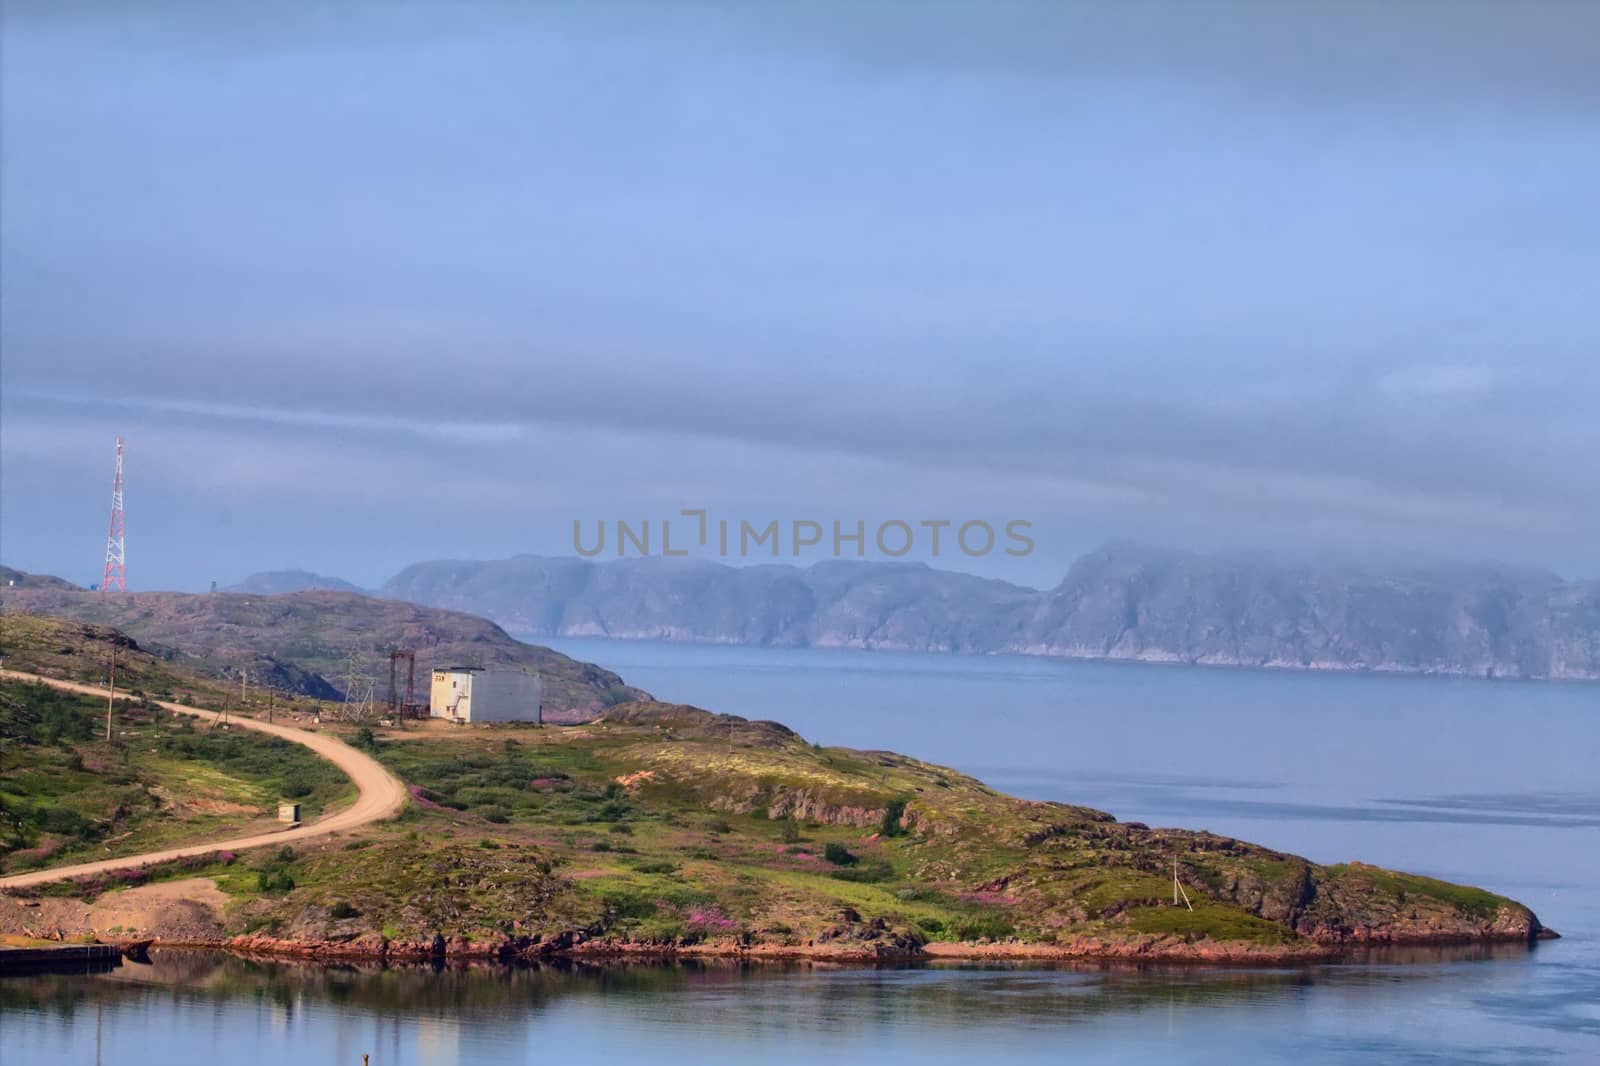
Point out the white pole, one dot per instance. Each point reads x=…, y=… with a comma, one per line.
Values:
x=111, y=698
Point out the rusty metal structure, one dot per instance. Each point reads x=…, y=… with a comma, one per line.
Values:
x=401, y=709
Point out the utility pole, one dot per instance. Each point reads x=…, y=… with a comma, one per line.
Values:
x=1177, y=886
x=111, y=697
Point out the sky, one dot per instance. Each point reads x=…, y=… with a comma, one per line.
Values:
x=364, y=284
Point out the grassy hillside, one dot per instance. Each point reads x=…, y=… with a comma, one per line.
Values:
x=82, y=651
x=665, y=822
x=666, y=827
x=67, y=795
x=303, y=642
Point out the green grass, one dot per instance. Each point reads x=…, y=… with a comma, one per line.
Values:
x=1405, y=888
x=1210, y=921
x=1275, y=871
x=695, y=827
x=67, y=794
x=670, y=823
x=1121, y=887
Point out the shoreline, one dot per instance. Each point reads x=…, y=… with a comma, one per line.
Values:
x=1220, y=664
x=1149, y=949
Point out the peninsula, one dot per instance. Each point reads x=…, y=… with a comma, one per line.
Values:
x=653, y=829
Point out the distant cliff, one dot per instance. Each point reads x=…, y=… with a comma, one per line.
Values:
x=1122, y=602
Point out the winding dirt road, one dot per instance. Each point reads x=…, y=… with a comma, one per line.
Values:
x=381, y=794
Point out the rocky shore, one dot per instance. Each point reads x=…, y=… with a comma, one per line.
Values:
x=174, y=914
x=865, y=945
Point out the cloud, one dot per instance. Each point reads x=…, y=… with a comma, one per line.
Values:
x=1424, y=382
x=419, y=425
x=1243, y=270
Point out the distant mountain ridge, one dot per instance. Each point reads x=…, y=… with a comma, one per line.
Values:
x=1124, y=602
x=278, y=582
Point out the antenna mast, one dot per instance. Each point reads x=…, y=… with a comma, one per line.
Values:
x=115, y=570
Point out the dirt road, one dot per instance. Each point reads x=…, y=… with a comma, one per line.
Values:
x=381, y=794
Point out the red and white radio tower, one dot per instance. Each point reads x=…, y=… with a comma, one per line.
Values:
x=115, y=570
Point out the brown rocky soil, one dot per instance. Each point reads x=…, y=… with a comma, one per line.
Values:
x=188, y=911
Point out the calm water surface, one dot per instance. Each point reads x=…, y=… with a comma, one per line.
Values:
x=1497, y=784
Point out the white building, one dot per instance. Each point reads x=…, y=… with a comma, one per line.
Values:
x=465, y=694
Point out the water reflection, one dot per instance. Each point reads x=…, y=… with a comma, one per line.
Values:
x=193, y=1006
x=931, y=994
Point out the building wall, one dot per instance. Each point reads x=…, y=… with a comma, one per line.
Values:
x=505, y=696
x=485, y=695
x=450, y=689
